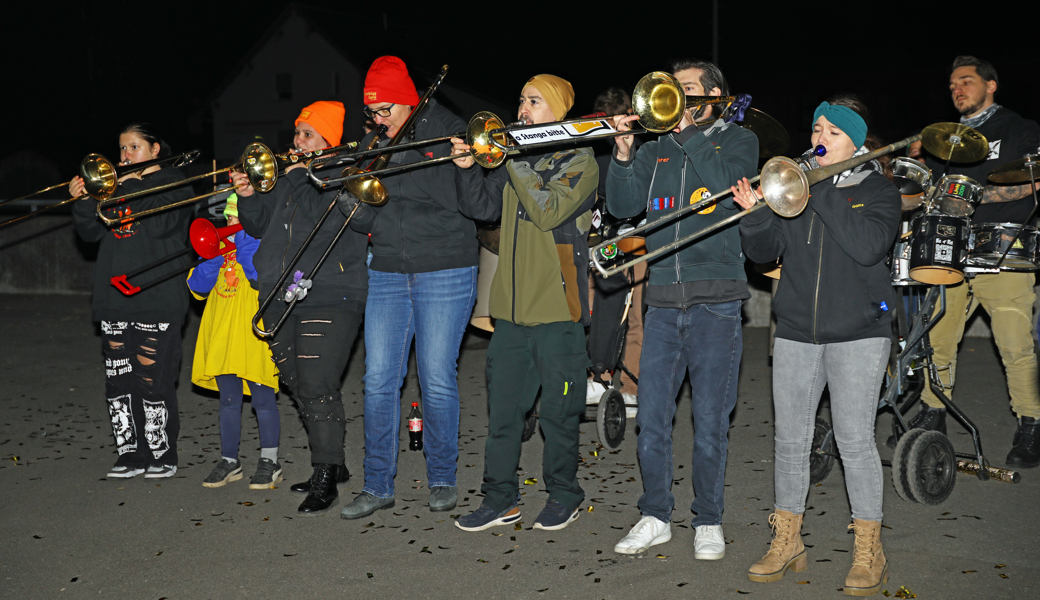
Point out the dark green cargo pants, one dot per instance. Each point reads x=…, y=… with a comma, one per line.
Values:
x=520, y=360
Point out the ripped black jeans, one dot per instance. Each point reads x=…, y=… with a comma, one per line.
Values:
x=142, y=361
x=311, y=351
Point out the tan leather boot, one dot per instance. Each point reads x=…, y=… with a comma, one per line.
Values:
x=785, y=552
x=869, y=567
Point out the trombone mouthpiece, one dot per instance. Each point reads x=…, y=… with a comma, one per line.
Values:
x=819, y=150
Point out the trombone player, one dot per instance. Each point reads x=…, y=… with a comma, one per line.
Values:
x=539, y=297
x=312, y=348
x=694, y=297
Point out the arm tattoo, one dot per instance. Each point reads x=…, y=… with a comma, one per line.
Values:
x=1005, y=193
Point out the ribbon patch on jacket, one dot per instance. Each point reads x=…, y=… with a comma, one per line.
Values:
x=663, y=203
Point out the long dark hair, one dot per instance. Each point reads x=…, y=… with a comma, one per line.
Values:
x=873, y=142
x=144, y=130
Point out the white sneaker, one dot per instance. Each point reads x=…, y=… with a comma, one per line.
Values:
x=121, y=472
x=649, y=531
x=631, y=408
x=594, y=391
x=709, y=543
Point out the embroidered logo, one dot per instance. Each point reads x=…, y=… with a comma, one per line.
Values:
x=661, y=160
x=663, y=203
x=994, y=150
x=701, y=194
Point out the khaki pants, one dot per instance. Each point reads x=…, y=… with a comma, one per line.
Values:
x=1008, y=298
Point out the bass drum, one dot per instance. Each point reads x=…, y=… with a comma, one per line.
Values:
x=990, y=240
x=939, y=249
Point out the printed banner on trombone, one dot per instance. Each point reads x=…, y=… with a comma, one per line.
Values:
x=552, y=131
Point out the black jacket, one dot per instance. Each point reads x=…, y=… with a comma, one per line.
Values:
x=282, y=219
x=420, y=229
x=834, y=284
x=125, y=248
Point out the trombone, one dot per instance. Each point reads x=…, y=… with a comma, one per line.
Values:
x=658, y=99
x=363, y=185
x=785, y=189
x=257, y=162
x=101, y=178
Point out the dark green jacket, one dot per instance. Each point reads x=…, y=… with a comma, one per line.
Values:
x=545, y=203
x=664, y=177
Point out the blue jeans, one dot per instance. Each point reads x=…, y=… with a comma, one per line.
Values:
x=704, y=340
x=433, y=308
x=263, y=401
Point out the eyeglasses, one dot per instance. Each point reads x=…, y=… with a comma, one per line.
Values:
x=379, y=112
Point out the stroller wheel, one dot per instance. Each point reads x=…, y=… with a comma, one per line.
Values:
x=933, y=468
x=901, y=471
x=821, y=457
x=610, y=419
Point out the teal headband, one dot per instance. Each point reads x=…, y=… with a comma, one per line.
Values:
x=845, y=119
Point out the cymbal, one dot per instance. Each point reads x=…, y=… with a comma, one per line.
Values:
x=1017, y=171
x=955, y=142
x=772, y=137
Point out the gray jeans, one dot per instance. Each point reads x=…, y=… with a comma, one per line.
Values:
x=854, y=371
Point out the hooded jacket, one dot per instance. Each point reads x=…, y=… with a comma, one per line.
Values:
x=545, y=203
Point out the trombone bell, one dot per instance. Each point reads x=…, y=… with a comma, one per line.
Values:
x=99, y=176
x=785, y=187
x=484, y=152
x=659, y=101
x=260, y=166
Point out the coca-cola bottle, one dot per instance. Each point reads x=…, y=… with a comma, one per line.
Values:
x=415, y=428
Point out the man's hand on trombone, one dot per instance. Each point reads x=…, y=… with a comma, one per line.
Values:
x=744, y=195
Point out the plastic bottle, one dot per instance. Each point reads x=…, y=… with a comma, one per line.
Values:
x=415, y=428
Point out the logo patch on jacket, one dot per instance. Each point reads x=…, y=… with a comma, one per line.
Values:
x=663, y=203
x=701, y=194
x=661, y=160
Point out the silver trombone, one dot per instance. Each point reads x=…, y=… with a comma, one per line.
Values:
x=785, y=189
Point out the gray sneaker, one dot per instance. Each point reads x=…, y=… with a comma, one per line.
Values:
x=443, y=497
x=268, y=473
x=224, y=472
x=364, y=505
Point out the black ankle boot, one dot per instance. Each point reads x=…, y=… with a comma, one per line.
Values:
x=323, y=494
x=929, y=419
x=341, y=475
x=1025, y=449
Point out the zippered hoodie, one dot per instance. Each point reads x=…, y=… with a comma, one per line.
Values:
x=420, y=229
x=834, y=283
x=545, y=203
x=282, y=218
x=667, y=175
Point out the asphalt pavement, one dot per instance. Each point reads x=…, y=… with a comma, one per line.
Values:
x=67, y=532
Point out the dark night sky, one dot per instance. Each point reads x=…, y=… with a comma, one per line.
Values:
x=76, y=76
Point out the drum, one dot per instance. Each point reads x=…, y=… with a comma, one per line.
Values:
x=958, y=196
x=989, y=241
x=901, y=265
x=910, y=176
x=939, y=249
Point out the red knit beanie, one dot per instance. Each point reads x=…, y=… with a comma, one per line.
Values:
x=388, y=81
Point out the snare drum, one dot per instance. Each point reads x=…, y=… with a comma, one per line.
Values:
x=958, y=196
x=989, y=241
x=910, y=176
x=939, y=249
x=901, y=265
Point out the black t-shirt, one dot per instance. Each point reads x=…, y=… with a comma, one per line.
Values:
x=1010, y=138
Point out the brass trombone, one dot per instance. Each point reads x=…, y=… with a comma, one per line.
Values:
x=785, y=189
x=658, y=99
x=100, y=178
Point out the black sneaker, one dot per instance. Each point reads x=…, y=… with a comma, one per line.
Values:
x=226, y=471
x=341, y=474
x=160, y=471
x=486, y=517
x=123, y=472
x=929, y=419
x=268, y=473
x=555, y=516
x=1025, y=449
